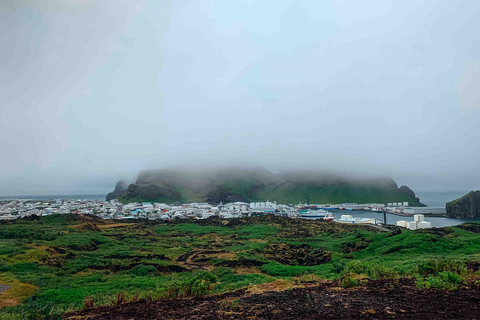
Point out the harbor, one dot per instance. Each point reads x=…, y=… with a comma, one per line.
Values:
x=392, y=219
x=372, y=214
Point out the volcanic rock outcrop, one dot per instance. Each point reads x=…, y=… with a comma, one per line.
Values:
x=467, y=207
x=120, y=188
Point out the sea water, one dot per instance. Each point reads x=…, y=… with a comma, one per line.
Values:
x=89, y=197
x=439, y=198
x=429, y=198
x=392, y=219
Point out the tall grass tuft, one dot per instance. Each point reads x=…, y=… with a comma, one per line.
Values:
x=371, y=269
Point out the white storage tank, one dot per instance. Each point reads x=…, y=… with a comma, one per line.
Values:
x=402, y=223
x=412, y=225
x=418, y=217
x=424, y=225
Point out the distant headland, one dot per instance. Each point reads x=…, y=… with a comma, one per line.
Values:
x=229, y=184
x=466, y=207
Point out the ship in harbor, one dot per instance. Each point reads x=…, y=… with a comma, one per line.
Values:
x=316, y=214
x=346, y=218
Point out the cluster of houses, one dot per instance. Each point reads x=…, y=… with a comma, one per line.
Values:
x=13, y=209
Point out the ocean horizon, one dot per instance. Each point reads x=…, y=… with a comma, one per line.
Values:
x=56, y=197
x=439, y=198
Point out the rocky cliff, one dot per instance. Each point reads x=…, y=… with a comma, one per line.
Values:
x=467, y=207
x=409, y=192
x=120, y=188
x=231, y=184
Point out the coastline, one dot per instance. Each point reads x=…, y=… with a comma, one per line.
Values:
x=432, y=215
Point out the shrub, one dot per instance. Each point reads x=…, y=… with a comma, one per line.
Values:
x=432, y=267
x=197, y=286
x=337, y=267
x=24, y=267
x=142, y=270
x=223, y=272
x=443, y=280
x=371, y=269
x=450, y=277
x=3, y=266
x=349, y=282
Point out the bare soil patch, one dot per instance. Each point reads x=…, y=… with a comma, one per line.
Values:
x=198, y=259
x=115, y=225
x=12, y=292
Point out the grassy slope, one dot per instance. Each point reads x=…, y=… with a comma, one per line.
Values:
x=125, y=200
x=258, y=184
x=27, y=246
x=335, y=194
x=297, y=194
x=464, y=207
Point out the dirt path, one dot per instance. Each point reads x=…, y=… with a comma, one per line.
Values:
x=378, y=300
x=198, y=259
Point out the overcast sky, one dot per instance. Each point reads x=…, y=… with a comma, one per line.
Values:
x=93, y=91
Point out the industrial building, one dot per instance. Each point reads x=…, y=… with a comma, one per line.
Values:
x=425, y=210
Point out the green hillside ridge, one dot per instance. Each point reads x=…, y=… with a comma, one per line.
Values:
x=466, y=207
x=216, y=185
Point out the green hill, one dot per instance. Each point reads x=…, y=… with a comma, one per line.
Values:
x=216, y=185
x=467, y=207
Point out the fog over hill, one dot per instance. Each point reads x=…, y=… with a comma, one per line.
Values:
x=95, y=91
x=247, y=184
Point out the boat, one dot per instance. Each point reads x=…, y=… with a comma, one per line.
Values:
x=328, y=217
x=316, y=214
x=329, y=207
x=346, y=218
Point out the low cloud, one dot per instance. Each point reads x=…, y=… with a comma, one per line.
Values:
x=468, y=87
x=95, y=91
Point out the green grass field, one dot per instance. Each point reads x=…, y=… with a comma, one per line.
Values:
x=58, y=263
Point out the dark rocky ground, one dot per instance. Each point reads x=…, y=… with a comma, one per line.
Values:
x=4, y=287
x=380, y=299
